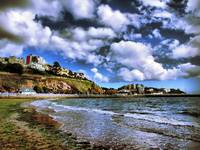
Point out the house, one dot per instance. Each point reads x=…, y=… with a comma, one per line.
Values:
x=37, y=66
x=34, y=59
x=27, y=91
x=124, y=92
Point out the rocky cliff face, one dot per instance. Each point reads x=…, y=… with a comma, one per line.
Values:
x=44, y=84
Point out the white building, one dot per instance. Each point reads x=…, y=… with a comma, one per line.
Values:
x=27, y=91
x=37, y=66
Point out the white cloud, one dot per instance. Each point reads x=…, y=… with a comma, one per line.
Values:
x=137, y=56
x=139, y=64
x=184, y=51
x=93, y=33
x=156, y=34
x=80, y=9
x=114, y=19
x=21, y=23
x=46, y=7
x=154, y=3
x=101, y=33
x=130, y=75
x=10, y=49
x=162, y=14
x=187, y=23
x=194, y=7
x=98, y=76
x=77, y=50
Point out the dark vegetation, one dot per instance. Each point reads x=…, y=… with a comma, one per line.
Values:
x=12, y=68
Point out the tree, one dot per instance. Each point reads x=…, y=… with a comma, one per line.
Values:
x=2, y=66
x=14, y=68
x=38, y=89
x=56, y=64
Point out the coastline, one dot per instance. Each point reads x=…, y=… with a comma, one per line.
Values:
x=25, y=128
x=58, y=96
x=31, y=129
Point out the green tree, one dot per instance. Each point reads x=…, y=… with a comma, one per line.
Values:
x=56, y=64
x=38, y=89
x=14, y=68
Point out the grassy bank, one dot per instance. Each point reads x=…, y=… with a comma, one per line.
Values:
x=24, y=128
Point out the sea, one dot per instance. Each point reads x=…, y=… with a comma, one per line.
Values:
x=130, y=123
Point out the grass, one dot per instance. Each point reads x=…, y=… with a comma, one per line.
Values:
x=20, y=130
x=11, y=81
x=10, y=106
x=17, y=134
x=81, y=85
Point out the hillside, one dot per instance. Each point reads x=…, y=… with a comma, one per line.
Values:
x=11, y=82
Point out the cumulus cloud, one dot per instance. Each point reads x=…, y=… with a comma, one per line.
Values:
x=21, y=23
x=112, y=18
x=130, y=75
x=131, y=60
x=10, y=49
x=95, y=33
x=154, y=3
x=50, y=8
x=138, y=56
x=162, y=14
x=194, y=7
x=98, y=76
x=80, y=9
x=156, y=33
x=184, y=51
x=139, y=64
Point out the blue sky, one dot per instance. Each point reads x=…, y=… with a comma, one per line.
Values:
x=112, y=42
x=189, y=85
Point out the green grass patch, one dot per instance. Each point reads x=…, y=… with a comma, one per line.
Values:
x=10, y=106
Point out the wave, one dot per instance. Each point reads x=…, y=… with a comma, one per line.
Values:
x=74, y=108
x=190, y=113
x=58, y=108
x=158, y=119
x=147, y=116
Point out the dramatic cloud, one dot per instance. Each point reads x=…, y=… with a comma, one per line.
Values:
x=194, y=7
x=51, y=8
x=96, y=33
x=10, y=49
x=98, y=76
x=80, y=9
x=131, y=75
x=156, y=33
x=154, y=3
x=184, y=51
x=114, y=19
x=139, y=64
x=153, y=41
x=21, y=23
x=137, y=56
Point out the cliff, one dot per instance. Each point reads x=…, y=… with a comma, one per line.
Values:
x=10, y=82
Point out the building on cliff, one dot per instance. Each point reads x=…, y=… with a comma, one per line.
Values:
x=35, y=62
x=27, y=91
x=34, y=59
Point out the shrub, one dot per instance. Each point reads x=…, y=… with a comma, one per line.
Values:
x=2, y=66
x=38, y=89
x=14, y=68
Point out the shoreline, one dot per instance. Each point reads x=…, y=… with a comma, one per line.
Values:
x=24, y=127
x=31, y=129
x=58, y=96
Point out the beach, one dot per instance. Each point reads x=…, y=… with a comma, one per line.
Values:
x=100, y=123
x=24, y=128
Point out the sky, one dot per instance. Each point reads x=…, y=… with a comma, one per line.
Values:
x=114, y=42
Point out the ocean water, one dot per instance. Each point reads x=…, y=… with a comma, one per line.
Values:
x=130, y=123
